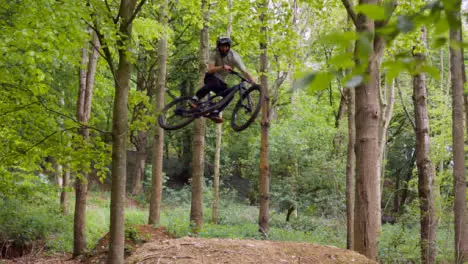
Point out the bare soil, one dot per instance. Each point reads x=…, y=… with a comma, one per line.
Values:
x=156, y=245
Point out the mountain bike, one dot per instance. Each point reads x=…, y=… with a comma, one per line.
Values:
x=179, y=112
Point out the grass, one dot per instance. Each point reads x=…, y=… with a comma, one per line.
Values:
x=398, y=243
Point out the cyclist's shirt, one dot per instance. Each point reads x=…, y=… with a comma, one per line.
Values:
x=232, y=59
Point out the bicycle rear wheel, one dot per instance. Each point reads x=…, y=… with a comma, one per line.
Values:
x=247, y=108
x=176, y=114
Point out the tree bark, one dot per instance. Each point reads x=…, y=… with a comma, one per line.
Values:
x=459, y=176
x=424, y=164
x=387, y=101
x=350, y=168
x=367, y=148
x=198, y=158
x=158, y=142
x=219, y=136
x=140, y=162
x=119, y=135
x=264, y=181
x=83, y=113
x=64, y=192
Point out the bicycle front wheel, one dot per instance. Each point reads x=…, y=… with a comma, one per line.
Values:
x=176, y=114
x=247, y=108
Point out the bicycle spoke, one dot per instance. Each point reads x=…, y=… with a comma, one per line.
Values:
x=246, y=109
x=176, y=114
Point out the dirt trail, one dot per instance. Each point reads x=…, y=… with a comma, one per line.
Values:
x=215, y=251
x=158, y=246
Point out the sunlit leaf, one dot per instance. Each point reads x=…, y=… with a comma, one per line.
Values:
x=373, y=11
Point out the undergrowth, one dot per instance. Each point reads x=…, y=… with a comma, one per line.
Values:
x=43, y=221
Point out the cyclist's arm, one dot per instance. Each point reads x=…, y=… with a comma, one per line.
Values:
x=214, y=69
x=241, y=66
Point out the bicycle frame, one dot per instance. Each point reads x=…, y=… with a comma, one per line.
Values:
x=206, y=107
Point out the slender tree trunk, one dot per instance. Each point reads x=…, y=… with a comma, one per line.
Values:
x=140, y=162
x=219, y=136
x=229, y=27
x=396, y=197
x=140, y=139
x=83, y=113
x=158, y=142
x=264, y=181
x=459, y=174
x=119, y=135
x=198, y=159
x=64, y=192
x=341, y=109
x=367, y=148
x=387, y=101
x=350, y=168
x=214, y=216
x=424, y=164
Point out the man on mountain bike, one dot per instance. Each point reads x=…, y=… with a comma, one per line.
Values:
x=221, y=61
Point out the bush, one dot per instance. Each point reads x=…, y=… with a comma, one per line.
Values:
x=25, y=223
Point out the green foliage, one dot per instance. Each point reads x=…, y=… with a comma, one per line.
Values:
x=29, y=222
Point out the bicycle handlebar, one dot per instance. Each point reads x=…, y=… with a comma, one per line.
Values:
x=240, y=76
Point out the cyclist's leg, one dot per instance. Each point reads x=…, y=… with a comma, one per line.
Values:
x=211, y=82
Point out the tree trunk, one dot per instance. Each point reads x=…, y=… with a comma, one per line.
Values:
x=459, y=176
x=341, y=109
x=139, y=138
x=83, y=113
x=424, y=164
x=64, y=192
x=140, y=162
x=219, y=136
x=198, y=158
x=158, y=142
x=387, y=101
x=264, y=181
x=367, y=148
x=119, y=135
x=350, y=168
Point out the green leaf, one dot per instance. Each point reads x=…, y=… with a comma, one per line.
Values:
x=339, y=37
x=439, y=42
x=441, y=27
x=321, y=81
x=373, y=11
x=304, y=80
x=432, y=71
x=394, y=68
x=340, y=61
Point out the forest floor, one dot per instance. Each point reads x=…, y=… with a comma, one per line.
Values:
x=156, y=245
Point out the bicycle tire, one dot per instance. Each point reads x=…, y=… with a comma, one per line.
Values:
x=241, y=105
x=180, y=104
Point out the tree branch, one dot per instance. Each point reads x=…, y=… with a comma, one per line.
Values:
x=18, y=109
x=23, y=152
x=404, y=106
x=107, y=54
x=116, y=19
x=350, y=11
x=70, y=118
x=382, y=23
x=137, y=10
